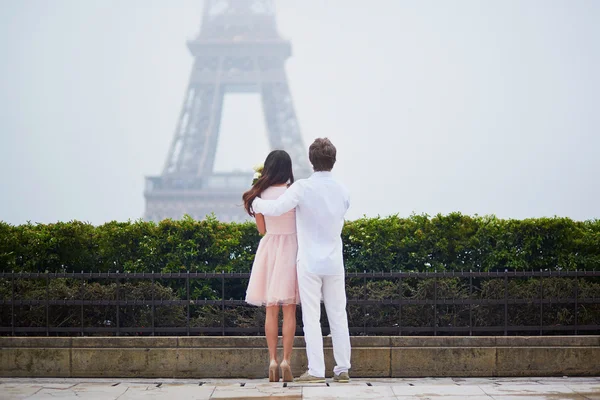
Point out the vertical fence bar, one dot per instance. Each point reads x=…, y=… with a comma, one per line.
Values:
x=153, y=329
x=118, y=308
x=505, y=302
x=400, y=308
x=222, y=303
x=435, y=304
x=12, y=306
x=471, y=303
x=187, y=289
x=364, y=306
x=81, y=297
x=259, y=324
x=47, y=304
x=576, y=302
x=541, y=303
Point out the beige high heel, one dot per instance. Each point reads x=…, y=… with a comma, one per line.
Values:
x=286, y=372
x=273, y=372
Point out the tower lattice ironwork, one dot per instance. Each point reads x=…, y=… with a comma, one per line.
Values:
x=237, y=50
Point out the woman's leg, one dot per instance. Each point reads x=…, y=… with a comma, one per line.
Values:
x=272, y=330
x=289, y=330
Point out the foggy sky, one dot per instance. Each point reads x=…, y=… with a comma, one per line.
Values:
x=479, y=107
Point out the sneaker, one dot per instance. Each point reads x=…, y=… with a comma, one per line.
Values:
x=341, y=378
x=308, y=378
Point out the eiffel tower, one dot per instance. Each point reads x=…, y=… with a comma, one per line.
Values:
x=238, y=50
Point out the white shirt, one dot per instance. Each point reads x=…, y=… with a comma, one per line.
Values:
x=321, y=203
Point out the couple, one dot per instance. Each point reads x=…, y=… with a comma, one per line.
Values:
x=300, y=259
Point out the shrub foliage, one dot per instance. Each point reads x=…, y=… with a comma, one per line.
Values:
x=452, y=242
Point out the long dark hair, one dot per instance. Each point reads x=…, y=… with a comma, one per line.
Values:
x=277, y=170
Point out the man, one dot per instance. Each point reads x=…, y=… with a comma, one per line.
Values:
x=321, y=203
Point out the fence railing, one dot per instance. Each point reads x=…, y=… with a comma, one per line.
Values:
x=12, y=301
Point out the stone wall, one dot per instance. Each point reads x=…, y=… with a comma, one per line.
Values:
x=247, y=357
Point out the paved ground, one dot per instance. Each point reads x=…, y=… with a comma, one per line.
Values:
x=397, y=389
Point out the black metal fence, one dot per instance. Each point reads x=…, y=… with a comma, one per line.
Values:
x=12, y=301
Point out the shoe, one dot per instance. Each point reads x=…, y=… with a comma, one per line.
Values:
x=273, y=372
x=341, y=378
x=308, y=378
x=286, y=372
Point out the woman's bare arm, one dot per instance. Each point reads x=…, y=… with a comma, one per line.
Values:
x=260, y=223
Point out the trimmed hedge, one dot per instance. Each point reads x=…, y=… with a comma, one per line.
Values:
x=419, y=242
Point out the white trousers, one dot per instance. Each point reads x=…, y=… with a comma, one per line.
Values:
x=332, y=289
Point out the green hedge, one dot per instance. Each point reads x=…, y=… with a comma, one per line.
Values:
x=418, y=242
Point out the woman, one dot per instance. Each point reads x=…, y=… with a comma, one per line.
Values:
x=273, y=282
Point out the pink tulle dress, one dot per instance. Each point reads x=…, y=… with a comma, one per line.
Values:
x=273, y=280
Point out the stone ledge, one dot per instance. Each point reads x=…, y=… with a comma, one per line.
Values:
x=443, y=341
x=45, y=342
x=545, y=341
x=247, y=357
x=548, y=361
x=443, y=361
x=125, y=342
x=35, y=362
x=494, y=341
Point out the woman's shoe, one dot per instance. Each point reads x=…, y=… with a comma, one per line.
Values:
x=273, y=372
x=286, y=372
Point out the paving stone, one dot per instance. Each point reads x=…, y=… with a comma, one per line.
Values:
x=438, y=390
x=278, y=392
x=348, y=392
x=168, y=391
x=444, y=397
x=563, y=396
x=17, y=391
x=507, y=389
x=584, y=387
x=401, y=389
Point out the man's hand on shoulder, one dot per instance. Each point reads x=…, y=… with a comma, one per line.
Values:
x=256, y=202
x=283, y=204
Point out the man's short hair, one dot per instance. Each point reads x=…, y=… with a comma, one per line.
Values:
x=322, y=154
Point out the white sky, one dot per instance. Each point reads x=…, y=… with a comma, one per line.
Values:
x=488, y=107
